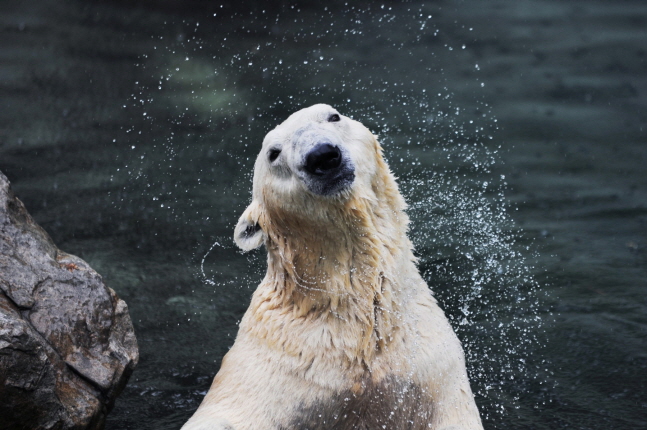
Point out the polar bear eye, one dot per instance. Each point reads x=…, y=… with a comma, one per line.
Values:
x=273, y=154
x=334, y=118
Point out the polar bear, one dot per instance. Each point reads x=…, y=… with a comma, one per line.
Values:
x=342, y=333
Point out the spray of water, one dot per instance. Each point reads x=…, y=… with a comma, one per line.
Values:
x=206, y=279
x=194, y=172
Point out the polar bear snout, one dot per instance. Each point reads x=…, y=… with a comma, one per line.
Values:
x=327, y=169
x=324, y=158
x=323, y=164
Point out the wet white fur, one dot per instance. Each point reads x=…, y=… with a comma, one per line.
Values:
x=342, y=316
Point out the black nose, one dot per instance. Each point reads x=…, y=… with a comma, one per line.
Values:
x=322, y=159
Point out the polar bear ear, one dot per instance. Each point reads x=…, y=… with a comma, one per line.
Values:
x=248, y=234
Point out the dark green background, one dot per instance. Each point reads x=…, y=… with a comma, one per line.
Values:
x=518, y=130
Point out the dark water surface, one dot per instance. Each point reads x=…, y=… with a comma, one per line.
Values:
x=518, y=130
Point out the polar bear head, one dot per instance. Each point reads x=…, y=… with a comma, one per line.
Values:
x=308, y=170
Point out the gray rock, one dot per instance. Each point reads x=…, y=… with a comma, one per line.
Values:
x=67, y=344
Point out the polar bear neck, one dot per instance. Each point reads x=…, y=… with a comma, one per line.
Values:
x=342, y=273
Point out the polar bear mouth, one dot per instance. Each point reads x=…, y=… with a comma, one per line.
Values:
x=328, y=185
x=327, y=170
